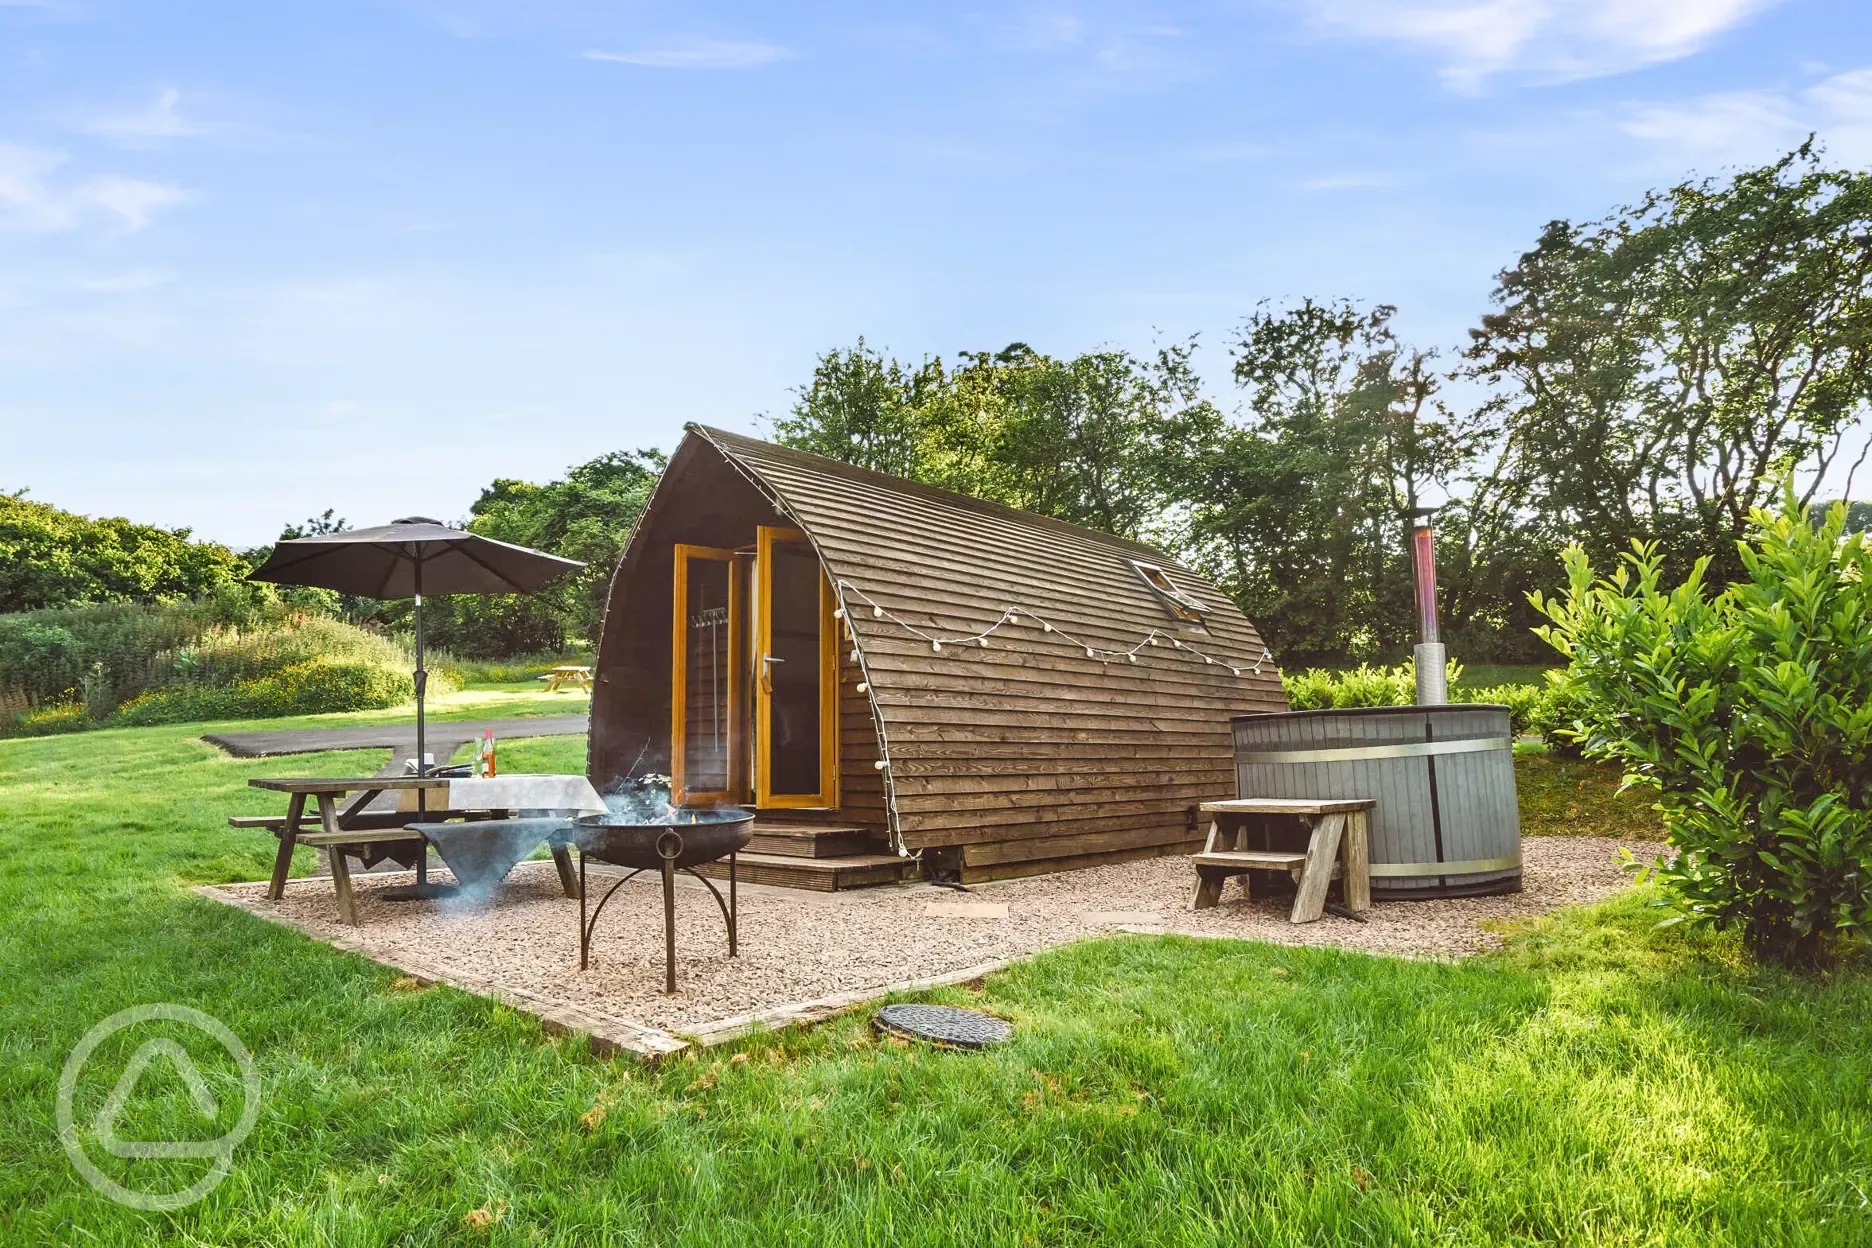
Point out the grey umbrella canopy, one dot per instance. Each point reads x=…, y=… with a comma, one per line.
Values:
x=407, y=559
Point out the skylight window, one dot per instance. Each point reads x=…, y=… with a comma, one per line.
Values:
x=1184, y=608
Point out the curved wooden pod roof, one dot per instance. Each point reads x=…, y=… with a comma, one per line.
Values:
x=1026, y=738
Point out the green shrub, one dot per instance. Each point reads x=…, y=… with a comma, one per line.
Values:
x=1749, y=711
x=1532, y=709
x=45, y=721
x=1318, y=689
x=309, y=688
x=204, y=654
x=45, y=655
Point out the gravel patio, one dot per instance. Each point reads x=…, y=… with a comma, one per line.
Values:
x=804, y=955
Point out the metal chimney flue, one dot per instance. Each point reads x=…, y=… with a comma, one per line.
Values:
x=1431, y=660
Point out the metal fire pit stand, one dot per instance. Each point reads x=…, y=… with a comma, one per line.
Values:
x=669, y=847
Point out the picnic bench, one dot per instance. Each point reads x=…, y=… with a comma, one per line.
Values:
x=1335, y=832
x=353, y=829
x=568, y=674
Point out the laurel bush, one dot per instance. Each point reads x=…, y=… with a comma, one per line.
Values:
x=1748, y=710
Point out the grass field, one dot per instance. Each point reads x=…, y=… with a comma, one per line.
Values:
x=1487, y=675
x=1600, y=1082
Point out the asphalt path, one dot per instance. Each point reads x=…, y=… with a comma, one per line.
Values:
x=398, y=738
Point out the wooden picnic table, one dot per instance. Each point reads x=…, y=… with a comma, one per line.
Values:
x=1335, y=831
x=353, y=827
x=568, y=674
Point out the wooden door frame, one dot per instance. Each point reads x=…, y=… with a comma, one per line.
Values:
x=766, y=536
x=679, y=673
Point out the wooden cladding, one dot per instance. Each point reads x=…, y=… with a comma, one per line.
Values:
x=1026, y=750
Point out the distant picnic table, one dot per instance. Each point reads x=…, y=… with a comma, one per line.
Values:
x=568, y=674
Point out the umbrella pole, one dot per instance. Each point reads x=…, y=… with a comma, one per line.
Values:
x=422, y=759
x=422, y=889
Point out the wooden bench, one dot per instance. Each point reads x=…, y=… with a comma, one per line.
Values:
x=337, y=843
x=1336, y=848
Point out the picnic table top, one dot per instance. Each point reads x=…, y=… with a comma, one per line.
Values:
x=346, y=784
x=1288, y=806
x=572, y=667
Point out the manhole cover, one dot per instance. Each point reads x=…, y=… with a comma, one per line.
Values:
x=944, y=1024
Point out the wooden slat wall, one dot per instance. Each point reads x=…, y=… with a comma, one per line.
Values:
x=1025, y=756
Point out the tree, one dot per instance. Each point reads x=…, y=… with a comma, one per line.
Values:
x=865, y=410
x=588, y=515
x=1301, y=510
x=1656, y=371
x=55, y=558
x=1082, y=440
x=1088, y=439
x=316, y=526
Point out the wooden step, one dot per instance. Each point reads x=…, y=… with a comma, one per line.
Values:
x=805, y=840
x=1258, y=859
x=823, y=875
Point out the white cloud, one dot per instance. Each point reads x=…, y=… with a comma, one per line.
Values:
x=161, y=121
x=134, y=200
x=1747, y=126
x=1554, y=40
x=699, y=54
x=26, y=201
x=29, y=199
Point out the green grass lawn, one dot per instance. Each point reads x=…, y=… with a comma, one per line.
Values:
x=1600, y=1082
x=1488, y=675
x=1570, y=797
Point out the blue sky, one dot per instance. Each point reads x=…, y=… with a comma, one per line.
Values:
x=257, y=260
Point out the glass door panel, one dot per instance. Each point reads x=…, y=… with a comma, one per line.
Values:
x=705, y=699
x=796, y=670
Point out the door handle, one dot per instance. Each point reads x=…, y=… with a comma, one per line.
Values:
x=766, y=672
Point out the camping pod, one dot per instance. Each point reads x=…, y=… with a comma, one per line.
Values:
x=902, y=679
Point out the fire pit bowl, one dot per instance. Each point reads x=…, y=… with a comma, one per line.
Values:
x=712, y=834
x=642, y=832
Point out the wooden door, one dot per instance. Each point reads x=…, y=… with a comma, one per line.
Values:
x=705, y=693
x=795, y=667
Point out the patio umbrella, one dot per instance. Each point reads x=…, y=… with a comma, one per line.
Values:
x=406, y=559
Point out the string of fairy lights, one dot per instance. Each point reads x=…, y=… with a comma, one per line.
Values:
x=1016, y=614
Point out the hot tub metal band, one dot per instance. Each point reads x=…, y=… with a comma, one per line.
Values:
x=1469, y=866
x=1408, y=749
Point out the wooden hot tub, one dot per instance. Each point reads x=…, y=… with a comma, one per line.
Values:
x=1446, y=824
